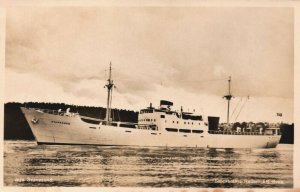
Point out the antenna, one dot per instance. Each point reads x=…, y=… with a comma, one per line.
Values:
x=228, y=98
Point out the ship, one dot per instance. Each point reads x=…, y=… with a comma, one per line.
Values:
x=160, y=126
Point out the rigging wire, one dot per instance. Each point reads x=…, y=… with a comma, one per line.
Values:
x=116, y=110
x=209, y=80
x=112, y=114
x=241, y=108
x=118, y=113
x=237, y=105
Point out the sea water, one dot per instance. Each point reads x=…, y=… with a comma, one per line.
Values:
x=29, y=164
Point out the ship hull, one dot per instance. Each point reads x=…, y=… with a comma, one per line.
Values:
x=56, y=129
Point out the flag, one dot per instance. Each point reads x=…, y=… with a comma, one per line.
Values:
x=279, y=114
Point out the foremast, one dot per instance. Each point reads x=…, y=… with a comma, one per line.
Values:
x=109, y=86
x=228, y=98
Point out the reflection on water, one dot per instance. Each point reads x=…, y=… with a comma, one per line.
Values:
x=220, y=165
x=28, y=164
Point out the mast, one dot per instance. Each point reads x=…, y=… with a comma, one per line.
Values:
x=109, y=87
x=228, y=98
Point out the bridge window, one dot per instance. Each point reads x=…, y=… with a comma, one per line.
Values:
x=197, y=131
x=172, y=130
x=185, y=130
x=162, y=116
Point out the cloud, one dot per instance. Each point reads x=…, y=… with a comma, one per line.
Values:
x=156, y=52
x=89, y=92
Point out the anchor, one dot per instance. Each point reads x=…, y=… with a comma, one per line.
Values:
x=34, y=120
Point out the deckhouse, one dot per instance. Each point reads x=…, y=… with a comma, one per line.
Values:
x=167, y=119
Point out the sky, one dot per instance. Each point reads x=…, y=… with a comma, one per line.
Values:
x=181, y=54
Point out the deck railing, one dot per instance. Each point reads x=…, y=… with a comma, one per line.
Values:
x=239, y=133
x=55, y=112
x=103, y=122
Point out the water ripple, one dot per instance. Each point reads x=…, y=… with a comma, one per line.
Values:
x=28, y=164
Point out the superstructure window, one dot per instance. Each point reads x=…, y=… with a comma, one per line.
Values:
x=185, y=130
x=113, y=124
x=172, y=130
x=162, y=116
x=127, y=125
x=192, y=117
x=146, y=111
x=197, y=131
